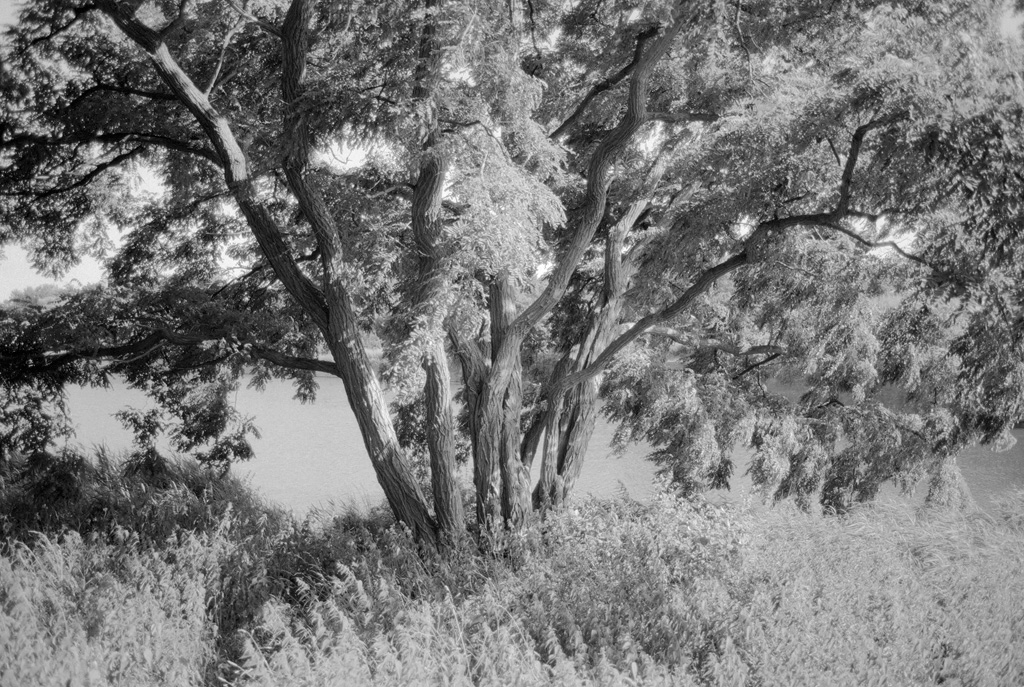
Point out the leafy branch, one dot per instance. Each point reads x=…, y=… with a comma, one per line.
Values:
x=38, y=362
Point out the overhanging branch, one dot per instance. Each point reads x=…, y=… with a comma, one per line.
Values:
x=37, y=362
x=147, y=137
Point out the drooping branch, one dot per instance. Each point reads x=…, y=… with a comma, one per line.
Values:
x=294, y=362
x=36, y=362
x=831, y=220
x=731, y=349
x=123, y=90
x=892, y=245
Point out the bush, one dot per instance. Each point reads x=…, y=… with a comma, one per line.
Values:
x=148, y=494
x=73, y=613
x=605, y=593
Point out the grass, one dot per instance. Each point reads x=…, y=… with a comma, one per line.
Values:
x=162, y=574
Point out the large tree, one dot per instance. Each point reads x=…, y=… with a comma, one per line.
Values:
x=666, y=203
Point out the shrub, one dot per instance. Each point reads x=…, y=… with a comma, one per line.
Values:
x=605, y=593
x=148, y=494
x=77, y=613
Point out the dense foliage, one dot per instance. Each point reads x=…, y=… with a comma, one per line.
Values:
x=666, y=205
x=195, y=591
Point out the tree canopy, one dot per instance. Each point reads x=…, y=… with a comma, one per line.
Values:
x=788, y=225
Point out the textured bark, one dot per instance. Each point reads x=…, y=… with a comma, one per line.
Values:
x=330, y=308
x=515, y=476
x=486, y=470
x=506, y=354
x=486, y=478
x=444, y=482
x=364, y=393
x=553, y=432
x=426, y=223
x=366, y=398
x=431, y=284
x=578, y=411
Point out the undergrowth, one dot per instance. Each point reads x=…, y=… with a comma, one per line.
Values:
x=159, y=573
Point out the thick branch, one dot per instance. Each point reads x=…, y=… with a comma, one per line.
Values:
x=232, y=160
x=113, y=137
x=342, y=329
x=594, y=204
x=599, y=88
x=295, y=363
x=697, y=289
x=471, y=358
x=598, y=179
x=845, y=184
x=37, y=362
x=178, y=20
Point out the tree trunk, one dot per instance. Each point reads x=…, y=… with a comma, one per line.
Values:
x=444, y=481
x=486, y=458
x=515, y=476
x=651, y=47
x=577, y=412
x=428, y=232
x=330, y=307
x=573, y=431
x=367, y=401
x=486, y=476
x=427, y=229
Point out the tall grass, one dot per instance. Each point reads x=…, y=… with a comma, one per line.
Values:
x=187, y=579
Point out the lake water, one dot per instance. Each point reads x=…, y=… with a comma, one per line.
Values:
x=312, y=455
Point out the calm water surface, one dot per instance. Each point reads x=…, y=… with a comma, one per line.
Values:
x=312, y=455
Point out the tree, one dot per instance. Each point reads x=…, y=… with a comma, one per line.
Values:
x=563, y=198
